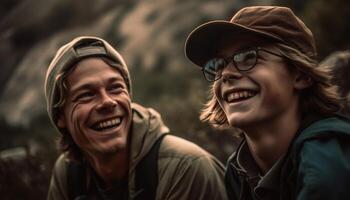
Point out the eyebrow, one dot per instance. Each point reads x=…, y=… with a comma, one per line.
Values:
x=116, y=79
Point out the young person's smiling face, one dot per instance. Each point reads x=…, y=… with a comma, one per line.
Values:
x=257, y=96
x=97, y=111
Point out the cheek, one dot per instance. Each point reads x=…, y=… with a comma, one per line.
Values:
x=279, y=90
x=77, y=116
x=125, y=101
x=72, y=114
x=75, y=113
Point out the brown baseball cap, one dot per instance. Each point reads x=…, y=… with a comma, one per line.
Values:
x=272, y=22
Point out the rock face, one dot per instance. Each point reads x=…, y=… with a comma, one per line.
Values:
x=149, y=34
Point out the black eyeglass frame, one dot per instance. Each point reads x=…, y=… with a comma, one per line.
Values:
x=231, y=59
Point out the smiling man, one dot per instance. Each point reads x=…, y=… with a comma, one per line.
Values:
x=113, y=148
x=266, y=81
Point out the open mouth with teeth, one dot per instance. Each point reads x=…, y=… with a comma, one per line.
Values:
x=240, y=95
x=107, y=124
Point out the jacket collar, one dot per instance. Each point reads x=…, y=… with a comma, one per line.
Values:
x=245, y=166
x=147, y=127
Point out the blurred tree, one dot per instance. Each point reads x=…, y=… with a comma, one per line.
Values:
x=328, y=20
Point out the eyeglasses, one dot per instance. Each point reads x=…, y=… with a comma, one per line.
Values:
x=243, y=61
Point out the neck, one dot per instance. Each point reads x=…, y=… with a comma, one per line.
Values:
x=112, y=167
x=269, y=141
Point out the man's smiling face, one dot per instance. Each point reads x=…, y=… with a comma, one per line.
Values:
x=97, y=112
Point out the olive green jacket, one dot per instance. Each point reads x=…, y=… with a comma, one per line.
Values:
x=185, y=171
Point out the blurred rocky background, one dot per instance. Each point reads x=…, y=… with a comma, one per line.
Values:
x=150, y=34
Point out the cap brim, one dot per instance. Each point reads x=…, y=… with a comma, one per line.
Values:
x=202, y=42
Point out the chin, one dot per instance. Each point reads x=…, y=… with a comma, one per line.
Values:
x=113, y=146
x=239, y=121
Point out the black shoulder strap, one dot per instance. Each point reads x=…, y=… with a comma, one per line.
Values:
x=76, y=180
x=146, y=177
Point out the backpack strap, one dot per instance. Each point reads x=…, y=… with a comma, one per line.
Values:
x=146, y=175
x=76, y=180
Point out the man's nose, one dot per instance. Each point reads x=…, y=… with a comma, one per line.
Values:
x=107, y=103
x=230, y=72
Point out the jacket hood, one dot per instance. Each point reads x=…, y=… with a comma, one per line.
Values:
x=146, y=128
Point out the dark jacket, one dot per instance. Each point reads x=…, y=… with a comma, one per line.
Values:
x=316, y=166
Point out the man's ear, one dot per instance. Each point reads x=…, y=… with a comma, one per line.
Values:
x=61, y=122
x=302, y=80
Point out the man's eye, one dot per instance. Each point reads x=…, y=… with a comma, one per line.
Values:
x=116, y=88
x=84, y=96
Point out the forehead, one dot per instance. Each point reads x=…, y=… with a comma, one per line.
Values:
x=92, y=69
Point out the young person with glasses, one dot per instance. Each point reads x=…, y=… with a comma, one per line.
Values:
x=266, y=81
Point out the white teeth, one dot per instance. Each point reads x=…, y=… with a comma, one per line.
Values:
x=109, y=123
x=230, y=97
x=239, y=95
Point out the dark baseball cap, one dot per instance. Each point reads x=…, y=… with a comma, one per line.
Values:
x=276, y=23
